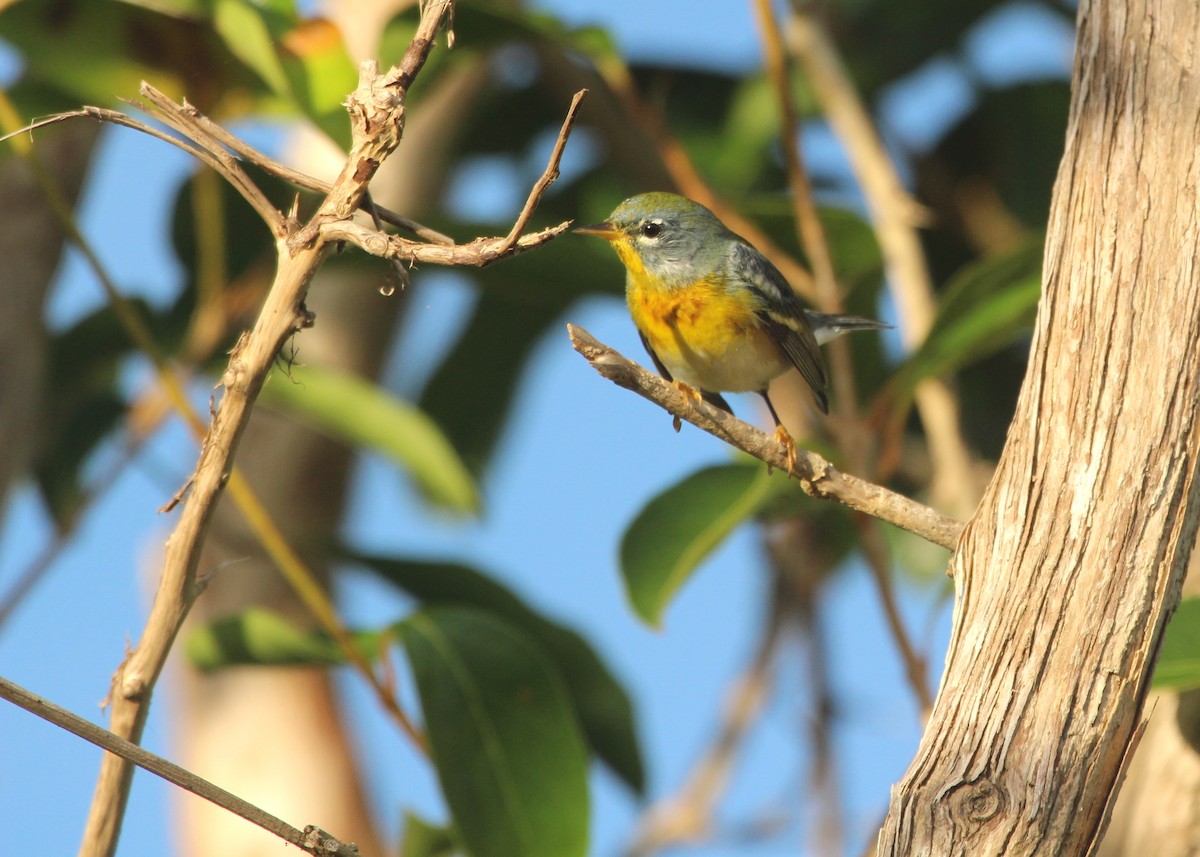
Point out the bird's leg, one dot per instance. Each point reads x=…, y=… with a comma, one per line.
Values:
x=789, y=446
x=781, y=434
x=690, y=394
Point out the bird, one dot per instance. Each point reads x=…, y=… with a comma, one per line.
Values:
x=712, y=311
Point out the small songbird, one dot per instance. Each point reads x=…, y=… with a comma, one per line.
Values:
x=714, y=313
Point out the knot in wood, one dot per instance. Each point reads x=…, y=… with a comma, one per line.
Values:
x=377, y=245
x=977, y=802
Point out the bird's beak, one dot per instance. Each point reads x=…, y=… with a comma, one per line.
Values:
x=605, y=230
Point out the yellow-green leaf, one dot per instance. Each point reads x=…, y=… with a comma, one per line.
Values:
x=364, y=414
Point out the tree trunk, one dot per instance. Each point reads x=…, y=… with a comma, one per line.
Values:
x=1158, y=811
x=1071, y=566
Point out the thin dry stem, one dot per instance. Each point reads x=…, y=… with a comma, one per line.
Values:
x=377, y=117
x=852, y=432
x=548, y=175
x=817, y=477
x=915, y=670
x=894, y=216
x=303, y=180
x=689, y=815
x=311, y=839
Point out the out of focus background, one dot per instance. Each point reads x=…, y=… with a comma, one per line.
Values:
x=777, y=690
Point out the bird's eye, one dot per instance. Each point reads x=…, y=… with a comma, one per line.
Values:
x=651, y=229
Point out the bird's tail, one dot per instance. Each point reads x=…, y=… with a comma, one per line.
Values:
x=826, y=326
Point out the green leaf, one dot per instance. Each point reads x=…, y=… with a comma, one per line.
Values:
x=677, y=529
x=471, y=393
x=508, y=753
x=263, y=638
x=424, y=839
x=320, y=75
x=982, y=310
x=247, y=32
x=1179, y=659
x=303, y=62
x=604, y=708
x=360, y=413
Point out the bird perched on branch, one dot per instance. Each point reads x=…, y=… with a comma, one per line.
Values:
x=714, y=313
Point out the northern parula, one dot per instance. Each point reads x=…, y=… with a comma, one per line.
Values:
x=714, y=313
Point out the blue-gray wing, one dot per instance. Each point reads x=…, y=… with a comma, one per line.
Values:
x=783, y=316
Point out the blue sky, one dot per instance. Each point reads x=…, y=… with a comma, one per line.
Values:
x=553, y=540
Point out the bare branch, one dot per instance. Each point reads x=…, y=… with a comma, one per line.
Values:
x=550, y=173
x=482, y=251
x=476, y=254
x=313, y=840
x=376, y=110
x=689, y=814
x=895, y=215
x=817, y=476
x=273, y=167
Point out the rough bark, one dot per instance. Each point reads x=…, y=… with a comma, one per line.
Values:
x=1069, y=570
x=1158, y=809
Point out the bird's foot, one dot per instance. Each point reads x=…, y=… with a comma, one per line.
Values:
x=691, y=394
x=789, y=446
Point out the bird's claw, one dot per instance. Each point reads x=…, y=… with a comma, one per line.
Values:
x=691, y=395
x=785, y=440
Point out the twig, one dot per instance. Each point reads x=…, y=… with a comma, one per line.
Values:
x=206, y=128
x=313, y=840
x=550, y=173
x=875, y=552
x=482, y=251
x=688, y=815
x=818, y=478
x=476, y=254
x=377, y=119
x=894, y=214
x=811, y=232
x=273, y=167
x=854, y=440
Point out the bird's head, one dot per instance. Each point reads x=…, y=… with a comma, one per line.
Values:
x=666, y=236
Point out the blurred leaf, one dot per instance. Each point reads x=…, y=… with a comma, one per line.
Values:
x=74, y=436
x=83, y=404
x=604, y=708
x=84, y=49
x=507, y=749
x=421, y=838
x=187, y=9
x=320, y=75
x=983, y=309
x=249, y=32
x=1178, y=665
x=677, y=529
x=262, y=638
x=471, y=393
x=362, y=414
x=992, y=147
x=303, y=62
